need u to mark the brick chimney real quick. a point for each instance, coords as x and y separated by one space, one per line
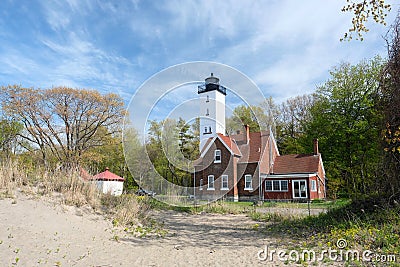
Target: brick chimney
247 133
316 149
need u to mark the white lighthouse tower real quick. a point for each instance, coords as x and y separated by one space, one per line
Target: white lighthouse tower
212 109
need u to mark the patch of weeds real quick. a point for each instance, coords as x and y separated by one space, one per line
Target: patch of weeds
255 226
267 217
16 260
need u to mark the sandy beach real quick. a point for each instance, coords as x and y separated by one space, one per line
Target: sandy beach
35 232
39 232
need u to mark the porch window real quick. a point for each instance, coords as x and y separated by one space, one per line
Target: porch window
313 185
284 185
224 182
217 156
276 185
248 182
268 185
210 185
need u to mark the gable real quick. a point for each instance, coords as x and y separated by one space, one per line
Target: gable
227 142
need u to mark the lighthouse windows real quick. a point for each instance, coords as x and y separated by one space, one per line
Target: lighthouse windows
207 130
208 113
208 99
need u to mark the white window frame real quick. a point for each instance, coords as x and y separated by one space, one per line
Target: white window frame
276 189
217 151
210 181
287 186
305 188
223 177
245 182
201 184
313 186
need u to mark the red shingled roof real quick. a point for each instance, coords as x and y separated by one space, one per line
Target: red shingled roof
107 176
252 151
230 143
296 163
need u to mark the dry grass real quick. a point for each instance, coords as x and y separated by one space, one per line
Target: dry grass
70 189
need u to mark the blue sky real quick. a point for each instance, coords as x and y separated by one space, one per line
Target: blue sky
286 47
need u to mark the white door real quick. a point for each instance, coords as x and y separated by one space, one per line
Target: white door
299 188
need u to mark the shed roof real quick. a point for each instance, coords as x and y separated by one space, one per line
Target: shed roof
106 175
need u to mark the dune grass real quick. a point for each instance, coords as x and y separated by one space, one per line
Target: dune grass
68 188
370 224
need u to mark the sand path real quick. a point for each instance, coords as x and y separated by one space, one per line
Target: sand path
35 232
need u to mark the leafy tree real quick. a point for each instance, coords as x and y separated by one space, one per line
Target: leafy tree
171 146
9 131
245 115
346 121
294 115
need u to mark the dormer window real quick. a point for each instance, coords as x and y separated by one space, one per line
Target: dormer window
217 156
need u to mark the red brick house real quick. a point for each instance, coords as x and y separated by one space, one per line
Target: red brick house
248 166
296 177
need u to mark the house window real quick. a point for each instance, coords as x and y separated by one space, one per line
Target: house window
276 185
284 185
201 184
313 185
268 185
210 185
248 182
217 156
224 182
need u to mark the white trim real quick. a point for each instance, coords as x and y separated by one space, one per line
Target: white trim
271 135
288 176
222 141
322 164
208 182
251 182
215 156
280 186
222 182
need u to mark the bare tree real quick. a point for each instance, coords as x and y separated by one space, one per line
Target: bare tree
390 103
64 122
362 11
